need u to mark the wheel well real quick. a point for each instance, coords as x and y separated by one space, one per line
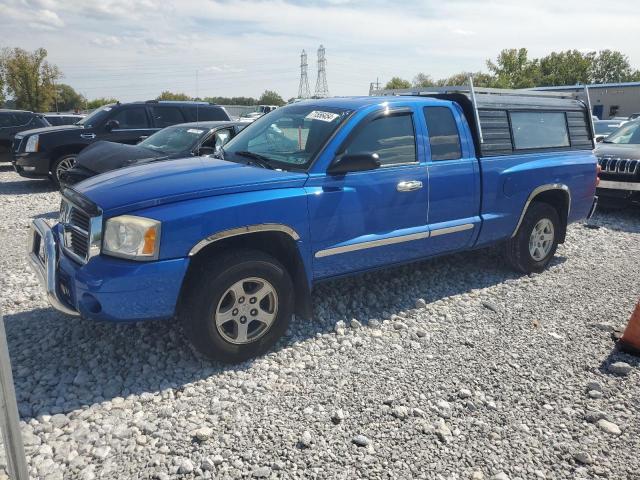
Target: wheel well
558 199
277 244
64 150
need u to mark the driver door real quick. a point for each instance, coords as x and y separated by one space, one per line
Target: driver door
362 220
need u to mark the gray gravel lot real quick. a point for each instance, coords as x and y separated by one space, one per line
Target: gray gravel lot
455 368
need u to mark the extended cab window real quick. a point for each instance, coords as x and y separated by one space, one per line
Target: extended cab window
539 130
166 116
132 118
444 137
391 137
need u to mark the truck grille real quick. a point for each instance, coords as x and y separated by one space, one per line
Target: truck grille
76 226
623 166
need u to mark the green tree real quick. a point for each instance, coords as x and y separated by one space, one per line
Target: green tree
610 66
98 102
232 100
423 80
269 97
514 69
167 95
397 82
29 78
480 79
2 97
67 99
569 67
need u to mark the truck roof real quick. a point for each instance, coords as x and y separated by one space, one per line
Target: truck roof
364 101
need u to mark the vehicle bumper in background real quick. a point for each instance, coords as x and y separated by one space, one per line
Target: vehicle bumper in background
31 165
105 289
613 185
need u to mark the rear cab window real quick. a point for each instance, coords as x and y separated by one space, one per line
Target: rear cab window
444 137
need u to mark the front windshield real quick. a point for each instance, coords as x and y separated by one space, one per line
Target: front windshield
629 133
288 137
175 139
96 117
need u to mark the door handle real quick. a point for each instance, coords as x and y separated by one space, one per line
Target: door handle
409 186
88 136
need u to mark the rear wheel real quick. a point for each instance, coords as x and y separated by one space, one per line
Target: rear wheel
536 241
237 305
62 165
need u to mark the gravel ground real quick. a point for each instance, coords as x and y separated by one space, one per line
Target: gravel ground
451 369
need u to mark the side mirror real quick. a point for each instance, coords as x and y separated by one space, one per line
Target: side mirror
112 125
599 139
206 151
354 162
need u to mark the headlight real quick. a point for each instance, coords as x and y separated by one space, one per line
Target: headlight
32 144
135 238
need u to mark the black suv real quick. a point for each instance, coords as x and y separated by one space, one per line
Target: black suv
12 122
49 151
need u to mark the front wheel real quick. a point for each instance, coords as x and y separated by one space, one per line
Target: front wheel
536 241
237 306
62 165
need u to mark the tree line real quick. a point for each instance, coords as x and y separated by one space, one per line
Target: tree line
268 97
514 69
28 81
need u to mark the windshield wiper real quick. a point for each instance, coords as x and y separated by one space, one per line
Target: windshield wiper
261 160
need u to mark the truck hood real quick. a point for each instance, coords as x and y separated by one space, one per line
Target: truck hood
157 183
628 151
44 130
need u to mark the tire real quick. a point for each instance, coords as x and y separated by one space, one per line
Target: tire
65 162
519 249
218 301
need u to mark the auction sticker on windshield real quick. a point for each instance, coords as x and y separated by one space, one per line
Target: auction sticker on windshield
322 116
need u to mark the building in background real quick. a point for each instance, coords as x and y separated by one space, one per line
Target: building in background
608 100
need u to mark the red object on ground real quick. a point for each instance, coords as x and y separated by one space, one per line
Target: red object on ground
630 341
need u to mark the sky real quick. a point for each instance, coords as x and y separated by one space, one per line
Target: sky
134 49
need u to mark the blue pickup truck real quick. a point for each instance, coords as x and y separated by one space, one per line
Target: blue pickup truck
232 246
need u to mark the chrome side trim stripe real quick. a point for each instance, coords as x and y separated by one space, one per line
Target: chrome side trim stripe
392 240
457 228
371 244
234 232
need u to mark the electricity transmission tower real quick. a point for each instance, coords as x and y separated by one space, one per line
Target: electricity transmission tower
303 89
322 89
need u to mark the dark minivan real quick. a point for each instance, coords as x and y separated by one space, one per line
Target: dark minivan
46 152
12 122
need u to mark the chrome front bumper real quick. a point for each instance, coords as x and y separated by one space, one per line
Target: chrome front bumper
43 257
